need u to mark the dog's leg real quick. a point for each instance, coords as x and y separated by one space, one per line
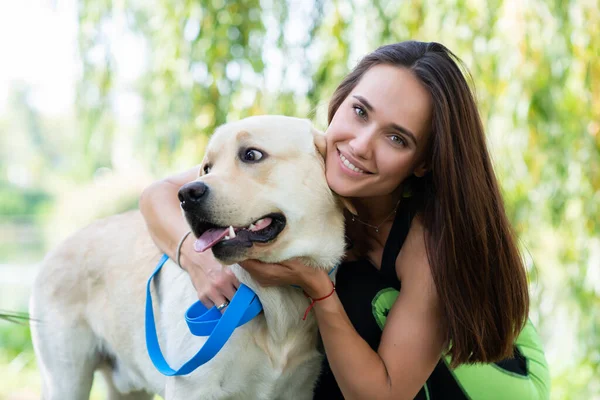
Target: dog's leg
65 348
67 371
130 396
114 394
182 388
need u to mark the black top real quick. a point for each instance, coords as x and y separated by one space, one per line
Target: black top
368 294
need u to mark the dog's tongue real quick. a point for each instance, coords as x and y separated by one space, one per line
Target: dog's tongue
209 238
262 224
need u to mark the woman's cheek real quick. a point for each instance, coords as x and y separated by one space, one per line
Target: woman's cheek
334 183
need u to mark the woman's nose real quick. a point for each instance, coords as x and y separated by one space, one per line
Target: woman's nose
361 145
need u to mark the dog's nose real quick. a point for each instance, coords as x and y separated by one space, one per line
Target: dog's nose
191 194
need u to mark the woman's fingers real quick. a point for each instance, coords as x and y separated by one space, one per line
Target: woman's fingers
234 281
216 287
206 302
254 266
217 295
209 295
290 272
225 284
268 274
222 305
214 298
229 292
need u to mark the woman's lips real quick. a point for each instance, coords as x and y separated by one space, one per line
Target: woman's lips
349 167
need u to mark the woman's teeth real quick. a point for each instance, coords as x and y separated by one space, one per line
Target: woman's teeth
350 165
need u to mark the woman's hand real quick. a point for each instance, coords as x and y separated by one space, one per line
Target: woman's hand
315 282
214 283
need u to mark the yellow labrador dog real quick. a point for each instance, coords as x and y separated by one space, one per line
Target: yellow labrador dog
262 176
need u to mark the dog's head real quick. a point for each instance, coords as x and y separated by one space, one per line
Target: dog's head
261 194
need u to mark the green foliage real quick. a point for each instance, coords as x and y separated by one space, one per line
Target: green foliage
16 201
15 338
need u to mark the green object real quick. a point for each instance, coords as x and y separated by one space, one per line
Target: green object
489 381
382 304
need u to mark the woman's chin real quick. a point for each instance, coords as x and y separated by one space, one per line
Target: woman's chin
344 188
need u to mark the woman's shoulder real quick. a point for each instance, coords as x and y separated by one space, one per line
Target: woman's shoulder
412 264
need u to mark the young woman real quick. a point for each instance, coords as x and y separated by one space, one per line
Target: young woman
431 300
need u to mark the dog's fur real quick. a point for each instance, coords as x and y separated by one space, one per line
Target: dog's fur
88 299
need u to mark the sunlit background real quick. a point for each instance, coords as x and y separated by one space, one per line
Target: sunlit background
98 98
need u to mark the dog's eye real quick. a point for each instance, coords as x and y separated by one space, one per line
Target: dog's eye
206 168
251 155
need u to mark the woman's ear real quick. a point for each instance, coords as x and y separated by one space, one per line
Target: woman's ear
320 141
421 170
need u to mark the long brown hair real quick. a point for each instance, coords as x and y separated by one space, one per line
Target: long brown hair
477 269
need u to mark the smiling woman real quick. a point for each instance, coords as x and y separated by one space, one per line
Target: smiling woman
388 114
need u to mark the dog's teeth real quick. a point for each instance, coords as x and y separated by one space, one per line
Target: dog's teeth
231 232
252 227
226 238
259 221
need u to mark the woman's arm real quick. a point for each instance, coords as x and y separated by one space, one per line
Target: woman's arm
160 208
411 343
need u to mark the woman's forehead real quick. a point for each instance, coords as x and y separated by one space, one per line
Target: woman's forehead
396 96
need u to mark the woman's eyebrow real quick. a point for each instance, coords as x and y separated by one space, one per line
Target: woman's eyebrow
397 127
363 101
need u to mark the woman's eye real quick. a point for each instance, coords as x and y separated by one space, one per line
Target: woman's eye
206 169
252 155
398 140
360 112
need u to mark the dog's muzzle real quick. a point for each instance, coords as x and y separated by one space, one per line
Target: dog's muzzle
192 195
228 239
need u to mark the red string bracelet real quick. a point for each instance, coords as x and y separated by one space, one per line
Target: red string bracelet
313 301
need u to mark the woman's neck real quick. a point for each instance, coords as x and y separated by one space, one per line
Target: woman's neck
375 210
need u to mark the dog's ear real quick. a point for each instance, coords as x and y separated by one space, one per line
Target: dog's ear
320 141
348 205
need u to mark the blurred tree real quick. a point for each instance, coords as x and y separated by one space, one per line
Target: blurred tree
205 65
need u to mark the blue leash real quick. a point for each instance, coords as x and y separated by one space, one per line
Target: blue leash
201 321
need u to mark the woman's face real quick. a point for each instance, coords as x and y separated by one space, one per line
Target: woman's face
379 134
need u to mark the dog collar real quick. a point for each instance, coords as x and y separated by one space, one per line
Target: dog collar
201 321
